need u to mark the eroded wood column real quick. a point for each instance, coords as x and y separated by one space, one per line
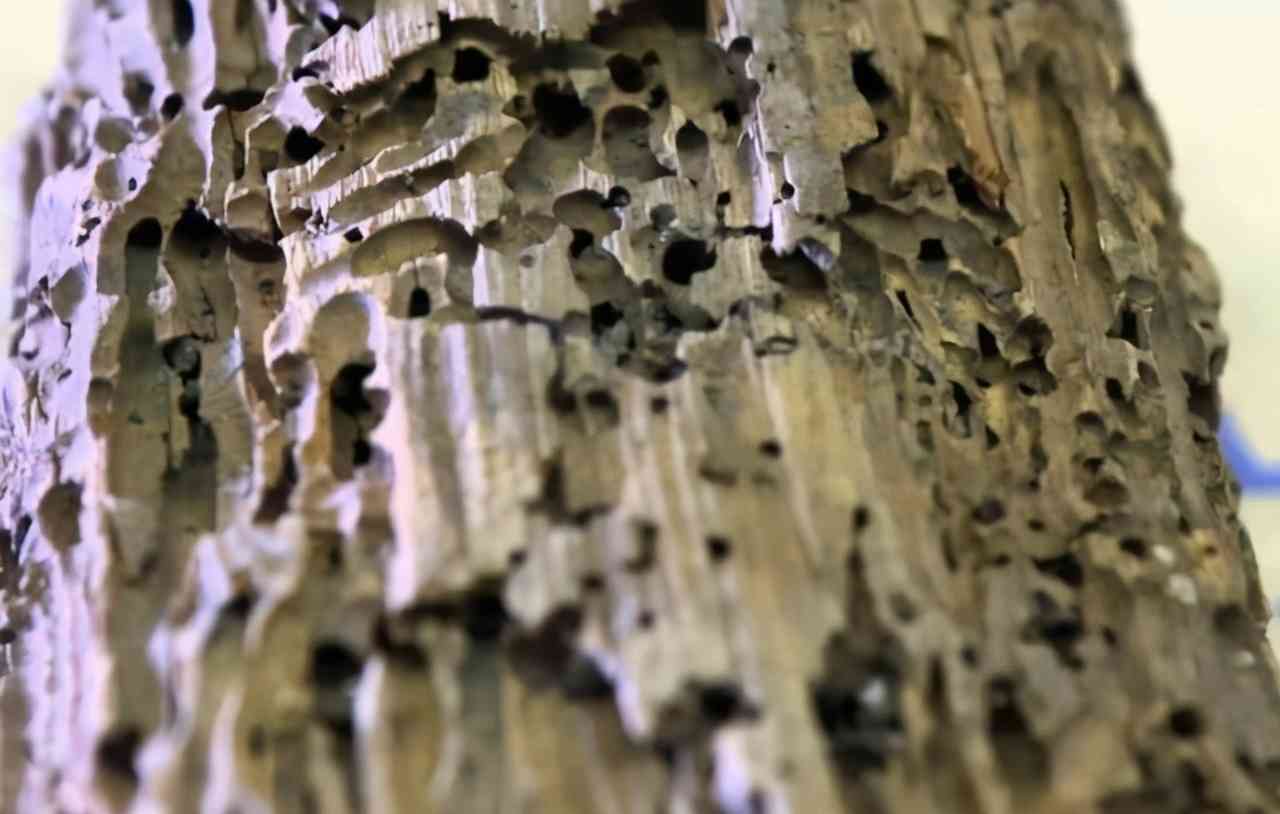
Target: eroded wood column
587 406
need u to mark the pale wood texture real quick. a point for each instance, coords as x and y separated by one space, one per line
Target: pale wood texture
586 406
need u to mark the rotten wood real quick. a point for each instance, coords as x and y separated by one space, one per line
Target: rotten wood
586 406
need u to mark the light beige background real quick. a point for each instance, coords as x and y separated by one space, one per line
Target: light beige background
1210 67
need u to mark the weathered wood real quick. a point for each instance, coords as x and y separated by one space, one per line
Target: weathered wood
588 406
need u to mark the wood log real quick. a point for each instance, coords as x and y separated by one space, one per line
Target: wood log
749 406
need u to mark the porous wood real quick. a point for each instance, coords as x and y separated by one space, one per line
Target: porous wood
587 406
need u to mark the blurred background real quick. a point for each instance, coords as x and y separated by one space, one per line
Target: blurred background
1209 68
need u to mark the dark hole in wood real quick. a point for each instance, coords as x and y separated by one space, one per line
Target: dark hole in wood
1068 217
419 302
719 548
1115 390
604 316
138 91
685 258
683 15
559 111
584 680
563 401
989 511
1065 567
1034 377
239 100
333 664
719 702
146 234
868 79
626 73
1185 722
423 88
347 391
669 371
182 355
691 144
905 302
987 342
361 452
194 227
117 751
1005 715
171 106
582 240
729 111
1129 327
966 190
860 729
239 606
301 146
470 65
601 399
184 22
1060 628
860 204
335 24
646 551
932 251
484 615
1134 547
1203 400
618 196
962 399
992 439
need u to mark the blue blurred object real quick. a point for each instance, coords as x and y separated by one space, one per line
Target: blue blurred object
1255 474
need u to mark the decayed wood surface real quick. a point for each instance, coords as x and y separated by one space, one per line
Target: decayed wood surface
586 406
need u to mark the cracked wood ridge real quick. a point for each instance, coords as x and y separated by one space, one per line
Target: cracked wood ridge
599 406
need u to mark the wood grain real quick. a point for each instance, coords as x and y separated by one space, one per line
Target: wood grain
579 405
